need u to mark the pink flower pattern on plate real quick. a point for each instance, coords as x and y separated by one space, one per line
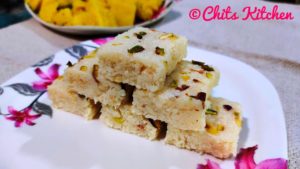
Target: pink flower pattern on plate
209 165
46 79
245 160
19 117
102 41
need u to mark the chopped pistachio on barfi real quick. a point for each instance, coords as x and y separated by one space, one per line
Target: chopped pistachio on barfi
83 78
221 134
69 101
182 100
141 57
123 119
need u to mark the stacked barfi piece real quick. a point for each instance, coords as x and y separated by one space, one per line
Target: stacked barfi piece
143 86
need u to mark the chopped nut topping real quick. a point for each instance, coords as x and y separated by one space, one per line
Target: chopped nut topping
161 127
174 84
196 80
208 68
182 88
170 36
197 63
227 107
95 73
200 96
140 35
209 75
211 112
237 118
143 68
89 56
69 64
198 71
203 65
81 96
141 126
83 68
136 49
166 64
118 120
160 51
185 77
117 44
214 129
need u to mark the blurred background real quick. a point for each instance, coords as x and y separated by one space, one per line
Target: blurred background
13 11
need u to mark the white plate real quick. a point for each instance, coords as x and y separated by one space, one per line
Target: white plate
91 30
66 141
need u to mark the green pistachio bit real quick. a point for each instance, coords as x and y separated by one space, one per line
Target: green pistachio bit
160 51
143 33
207 68
83 68
197 63
209 75
174 84
203 65
119 120
140 35
166 64
136 49
211 112
170 36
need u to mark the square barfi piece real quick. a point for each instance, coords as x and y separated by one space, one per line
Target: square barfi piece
123 119
69 101
221 135
182 100
83 78
141 57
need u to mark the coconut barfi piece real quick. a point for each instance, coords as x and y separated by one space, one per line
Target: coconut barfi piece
141 57
83 78
123 119
69 101
182 101
221 135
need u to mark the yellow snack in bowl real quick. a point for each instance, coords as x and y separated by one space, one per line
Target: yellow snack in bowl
108 18
123 12
64 3
78 6
101 15
83 18
146 9
95 5
48 10
34 4
62 17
